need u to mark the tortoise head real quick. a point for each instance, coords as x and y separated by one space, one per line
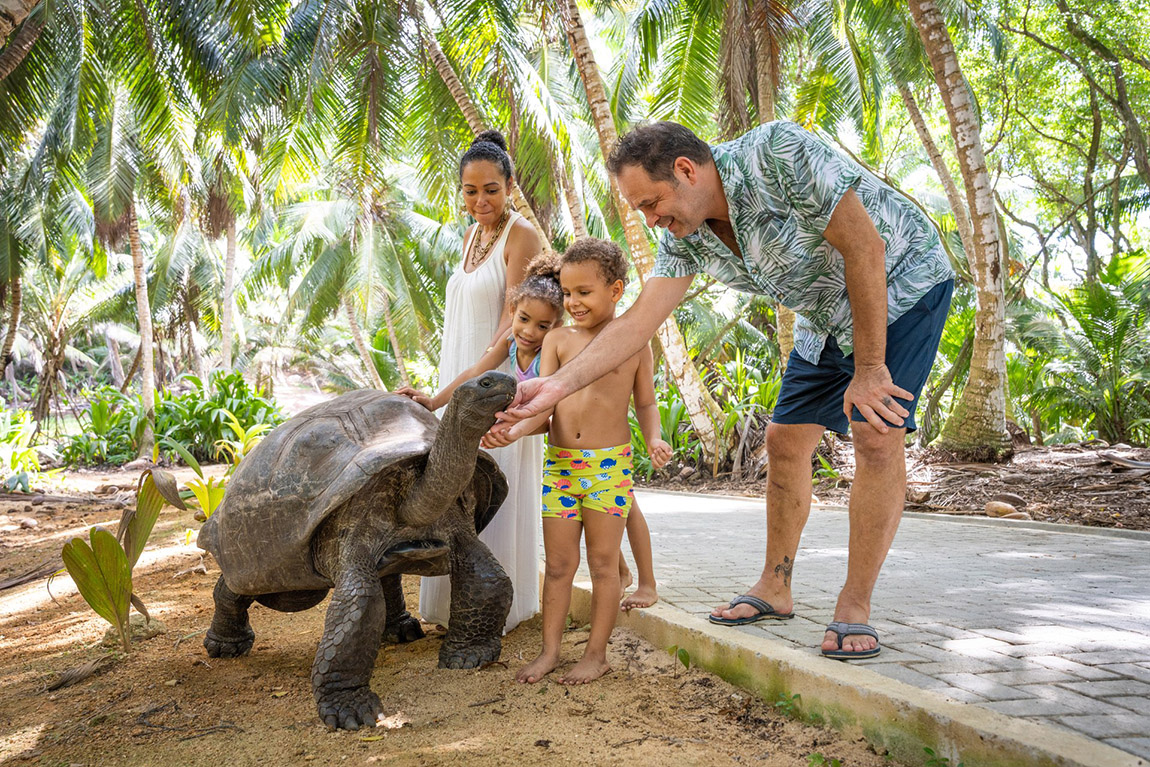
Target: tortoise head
474 404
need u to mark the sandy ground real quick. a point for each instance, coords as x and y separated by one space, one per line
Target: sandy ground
168 704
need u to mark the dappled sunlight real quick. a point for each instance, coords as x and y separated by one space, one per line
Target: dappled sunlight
22 742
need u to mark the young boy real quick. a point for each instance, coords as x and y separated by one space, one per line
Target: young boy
587 469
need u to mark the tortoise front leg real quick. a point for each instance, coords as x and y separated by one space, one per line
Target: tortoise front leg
341 674
230 634
401 627
480 600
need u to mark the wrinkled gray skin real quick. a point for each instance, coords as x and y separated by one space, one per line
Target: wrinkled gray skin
415 515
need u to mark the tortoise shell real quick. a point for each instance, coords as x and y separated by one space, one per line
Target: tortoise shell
305 468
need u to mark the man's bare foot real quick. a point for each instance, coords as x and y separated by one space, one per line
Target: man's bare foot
543 665
586 670
644 596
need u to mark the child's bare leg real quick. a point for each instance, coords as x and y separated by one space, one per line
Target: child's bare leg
639 536
561 550
603 533
625 578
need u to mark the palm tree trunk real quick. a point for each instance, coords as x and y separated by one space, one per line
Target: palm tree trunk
114 364
361 346
13 322
12 12
765 85
978 421
574 204
704 412
957 206
144 321
16 50
396 350
477 125
228 299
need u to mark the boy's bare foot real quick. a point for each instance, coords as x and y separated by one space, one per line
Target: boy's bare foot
644 596
543 665
586 670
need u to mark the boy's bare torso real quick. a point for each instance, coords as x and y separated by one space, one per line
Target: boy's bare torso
595 416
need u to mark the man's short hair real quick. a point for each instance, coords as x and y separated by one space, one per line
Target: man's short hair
655 147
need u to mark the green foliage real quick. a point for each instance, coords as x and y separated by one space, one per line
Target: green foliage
209 494
225 417
102 570
818 760
789 704
825 470
203 416
1094 340
17 455
934 760
680 654
103 576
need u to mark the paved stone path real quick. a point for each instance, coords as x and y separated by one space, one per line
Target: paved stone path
1026 620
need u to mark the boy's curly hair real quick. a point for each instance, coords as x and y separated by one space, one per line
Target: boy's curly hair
541 282
609 257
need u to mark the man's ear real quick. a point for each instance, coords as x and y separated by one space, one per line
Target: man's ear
686 167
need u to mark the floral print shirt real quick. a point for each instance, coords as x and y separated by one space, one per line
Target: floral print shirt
782 184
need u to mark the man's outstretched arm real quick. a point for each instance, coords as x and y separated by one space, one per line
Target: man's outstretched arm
611 348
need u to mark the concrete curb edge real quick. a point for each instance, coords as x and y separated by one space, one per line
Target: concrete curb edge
890 714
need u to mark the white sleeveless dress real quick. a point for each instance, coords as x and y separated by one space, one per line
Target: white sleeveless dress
474 303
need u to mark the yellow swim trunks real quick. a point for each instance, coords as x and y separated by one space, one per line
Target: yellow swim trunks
598 479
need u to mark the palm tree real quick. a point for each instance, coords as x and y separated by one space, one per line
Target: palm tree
704 411
978 421
12 13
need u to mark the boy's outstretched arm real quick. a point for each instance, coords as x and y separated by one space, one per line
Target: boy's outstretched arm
647 409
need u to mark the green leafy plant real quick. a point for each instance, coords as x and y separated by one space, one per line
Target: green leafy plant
234 450
788 704
825 471
934 760
818 760
208 491
18 457
680 654
102 566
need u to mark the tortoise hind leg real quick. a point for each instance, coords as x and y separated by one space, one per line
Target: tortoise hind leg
230 635
401 626
352 631
480 600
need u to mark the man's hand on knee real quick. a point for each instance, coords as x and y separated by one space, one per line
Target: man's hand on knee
872 391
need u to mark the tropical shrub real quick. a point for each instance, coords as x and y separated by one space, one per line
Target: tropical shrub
17 455
203 419
102 566
1095 340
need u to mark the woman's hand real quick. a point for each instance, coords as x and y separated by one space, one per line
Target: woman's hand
416 395
659 452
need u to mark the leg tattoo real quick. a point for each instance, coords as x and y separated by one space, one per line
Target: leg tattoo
784 569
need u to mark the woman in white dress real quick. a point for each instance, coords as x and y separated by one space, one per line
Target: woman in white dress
496 252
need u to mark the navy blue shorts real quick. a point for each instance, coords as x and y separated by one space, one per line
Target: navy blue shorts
813 394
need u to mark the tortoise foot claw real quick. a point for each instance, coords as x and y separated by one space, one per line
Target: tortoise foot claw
228 647
403 629
471 655
349 709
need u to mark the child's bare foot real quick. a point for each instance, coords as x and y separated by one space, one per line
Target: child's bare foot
586 670
644 596
543 665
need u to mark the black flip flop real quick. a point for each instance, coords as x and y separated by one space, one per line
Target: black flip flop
765 612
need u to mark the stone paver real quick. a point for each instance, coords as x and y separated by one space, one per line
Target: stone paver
1032 622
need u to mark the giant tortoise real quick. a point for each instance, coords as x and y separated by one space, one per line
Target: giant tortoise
348 495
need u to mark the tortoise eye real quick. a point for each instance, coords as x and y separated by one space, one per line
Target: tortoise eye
486 382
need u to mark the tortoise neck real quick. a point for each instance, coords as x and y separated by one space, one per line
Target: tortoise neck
450 467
